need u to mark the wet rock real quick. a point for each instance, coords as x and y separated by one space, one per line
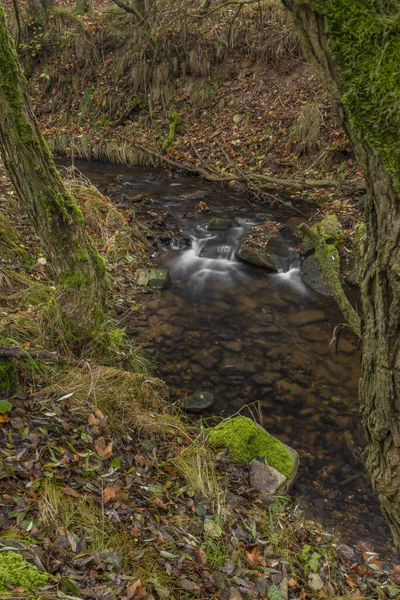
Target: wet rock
330 228
266 378
156 279
288 387
265 479
237 366
200 195
198 402
306 317
216 224
259 245
313 277
232 346
206 360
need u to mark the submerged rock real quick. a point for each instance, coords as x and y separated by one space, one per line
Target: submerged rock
200 195
246 441
258 245
216 224
237 366
313 277
198 402
156 279
265 479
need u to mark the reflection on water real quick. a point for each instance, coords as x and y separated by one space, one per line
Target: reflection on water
249 335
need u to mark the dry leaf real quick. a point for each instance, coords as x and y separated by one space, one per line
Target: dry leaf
70 492
136 590
102 450
109 493
201 556
255 557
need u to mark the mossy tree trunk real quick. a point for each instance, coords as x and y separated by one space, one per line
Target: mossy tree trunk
78 268
354 45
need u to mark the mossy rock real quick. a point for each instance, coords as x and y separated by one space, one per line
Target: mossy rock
330 229
15 572
156 279
313 276
246 441
218 224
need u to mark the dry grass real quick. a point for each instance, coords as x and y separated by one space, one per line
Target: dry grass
307 129
127 399
197 466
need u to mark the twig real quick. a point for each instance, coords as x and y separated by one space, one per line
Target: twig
8 352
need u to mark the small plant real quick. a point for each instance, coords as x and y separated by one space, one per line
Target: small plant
311 559
216 553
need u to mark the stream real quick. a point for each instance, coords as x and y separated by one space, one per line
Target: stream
252 336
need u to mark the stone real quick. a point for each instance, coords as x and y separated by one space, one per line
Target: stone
206 360
330 228
258 245
198 402
200 195
313 277
305 317
216 223
267 378
246 441
265 479
232 346
233 365
156 279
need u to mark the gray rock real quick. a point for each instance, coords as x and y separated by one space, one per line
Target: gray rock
237 366
156 279
312 275
198 402
264 478
216 223
267 378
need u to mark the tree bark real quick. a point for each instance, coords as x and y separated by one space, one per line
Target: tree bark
379 269
56 218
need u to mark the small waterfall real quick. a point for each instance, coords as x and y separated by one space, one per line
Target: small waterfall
211 258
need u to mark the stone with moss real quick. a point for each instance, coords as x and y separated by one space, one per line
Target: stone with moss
15 572
330 229
246 441
216 223
156 279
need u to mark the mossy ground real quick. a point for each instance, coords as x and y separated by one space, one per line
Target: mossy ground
15 572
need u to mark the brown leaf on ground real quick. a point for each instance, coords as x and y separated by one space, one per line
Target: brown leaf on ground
102 450
136 590
98 421
70 492
255 557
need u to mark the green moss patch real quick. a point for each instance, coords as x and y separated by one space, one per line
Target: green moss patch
364 36
330 229
246 441
16 572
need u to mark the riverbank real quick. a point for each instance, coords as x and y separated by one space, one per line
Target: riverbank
116 493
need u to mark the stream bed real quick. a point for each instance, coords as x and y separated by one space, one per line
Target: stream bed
252 336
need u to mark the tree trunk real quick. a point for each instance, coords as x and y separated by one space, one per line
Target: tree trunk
57 220
350 44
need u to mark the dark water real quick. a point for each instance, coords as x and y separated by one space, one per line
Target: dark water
251 336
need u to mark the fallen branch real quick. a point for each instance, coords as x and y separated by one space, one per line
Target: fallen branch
8 352
245 177
329 268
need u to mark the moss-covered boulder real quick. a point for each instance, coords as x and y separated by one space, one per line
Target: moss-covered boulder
156 279
259 244
246 441
16 572
218 224
330 228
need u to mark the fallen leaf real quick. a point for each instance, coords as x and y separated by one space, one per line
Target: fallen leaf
255 557
70 492
136 590
102 450
109 493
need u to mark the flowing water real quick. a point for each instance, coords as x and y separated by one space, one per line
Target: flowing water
252 336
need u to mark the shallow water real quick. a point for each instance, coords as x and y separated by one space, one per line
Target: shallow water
251 336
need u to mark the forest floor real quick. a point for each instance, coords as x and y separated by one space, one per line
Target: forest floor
101 485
